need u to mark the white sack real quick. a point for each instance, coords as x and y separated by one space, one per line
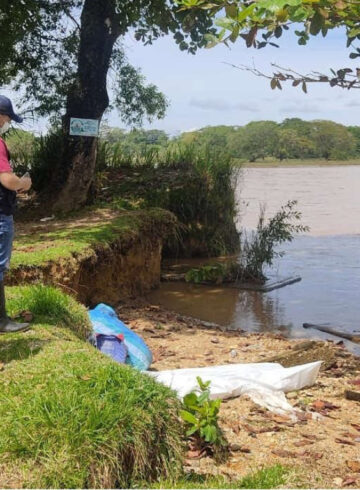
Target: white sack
265 383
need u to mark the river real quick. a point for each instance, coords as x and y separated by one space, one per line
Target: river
327 257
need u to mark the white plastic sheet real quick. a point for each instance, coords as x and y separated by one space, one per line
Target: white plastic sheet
265 383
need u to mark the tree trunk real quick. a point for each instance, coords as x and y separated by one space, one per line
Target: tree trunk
87 99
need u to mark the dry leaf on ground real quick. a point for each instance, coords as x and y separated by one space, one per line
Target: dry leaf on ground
344 441
354 465
283 453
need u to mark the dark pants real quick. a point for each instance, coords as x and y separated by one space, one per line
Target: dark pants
6 240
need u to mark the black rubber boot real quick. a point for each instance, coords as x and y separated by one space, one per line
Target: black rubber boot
6 324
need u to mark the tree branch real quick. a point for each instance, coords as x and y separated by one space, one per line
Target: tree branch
346 78
71 17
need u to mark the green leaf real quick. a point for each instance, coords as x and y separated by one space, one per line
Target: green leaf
235 34
190 399
243 14
203 397
188 417
210 433
211 40
203 385
316 24
209 6
225 22
231 10
300 14
191 431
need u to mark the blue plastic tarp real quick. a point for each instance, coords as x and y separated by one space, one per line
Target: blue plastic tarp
105 321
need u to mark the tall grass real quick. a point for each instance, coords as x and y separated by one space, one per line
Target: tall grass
85 422
72 417
111 156
44 157
50 304
197 185
203 199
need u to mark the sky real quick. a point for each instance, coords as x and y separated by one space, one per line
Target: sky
205 91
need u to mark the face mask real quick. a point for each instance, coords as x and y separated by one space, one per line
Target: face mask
5 127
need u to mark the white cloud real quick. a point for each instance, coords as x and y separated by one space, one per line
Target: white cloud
353 103
300 108
222 105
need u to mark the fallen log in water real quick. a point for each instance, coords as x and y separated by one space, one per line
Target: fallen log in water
268 285
333 331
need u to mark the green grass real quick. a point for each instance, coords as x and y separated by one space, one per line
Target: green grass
49 304
311 162
39 248
271 477
70 416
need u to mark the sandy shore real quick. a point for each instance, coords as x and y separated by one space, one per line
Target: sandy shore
322 453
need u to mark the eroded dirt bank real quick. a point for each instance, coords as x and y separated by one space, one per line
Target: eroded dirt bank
323 453
125 263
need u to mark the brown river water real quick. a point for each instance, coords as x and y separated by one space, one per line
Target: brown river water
327 257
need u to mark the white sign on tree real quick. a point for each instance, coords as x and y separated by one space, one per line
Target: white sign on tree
84 127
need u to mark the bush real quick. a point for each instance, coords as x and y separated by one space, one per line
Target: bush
47 153
258 250
216 273
21 146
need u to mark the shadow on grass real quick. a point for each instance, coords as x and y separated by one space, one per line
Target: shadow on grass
19 348
270 477
82 234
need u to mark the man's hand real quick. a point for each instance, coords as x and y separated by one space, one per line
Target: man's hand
25 183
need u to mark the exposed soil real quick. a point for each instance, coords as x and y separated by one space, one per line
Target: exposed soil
323 452
129 266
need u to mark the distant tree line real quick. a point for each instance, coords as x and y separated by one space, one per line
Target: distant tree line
291 139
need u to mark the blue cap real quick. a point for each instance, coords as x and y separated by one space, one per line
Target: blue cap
6 109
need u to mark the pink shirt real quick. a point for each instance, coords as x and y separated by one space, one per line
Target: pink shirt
4 159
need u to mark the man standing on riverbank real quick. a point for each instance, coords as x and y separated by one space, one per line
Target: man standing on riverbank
10 184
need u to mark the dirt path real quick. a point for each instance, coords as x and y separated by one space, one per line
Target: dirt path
324 453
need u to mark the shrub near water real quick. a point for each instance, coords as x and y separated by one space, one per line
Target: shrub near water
73 418
197 185
203 199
